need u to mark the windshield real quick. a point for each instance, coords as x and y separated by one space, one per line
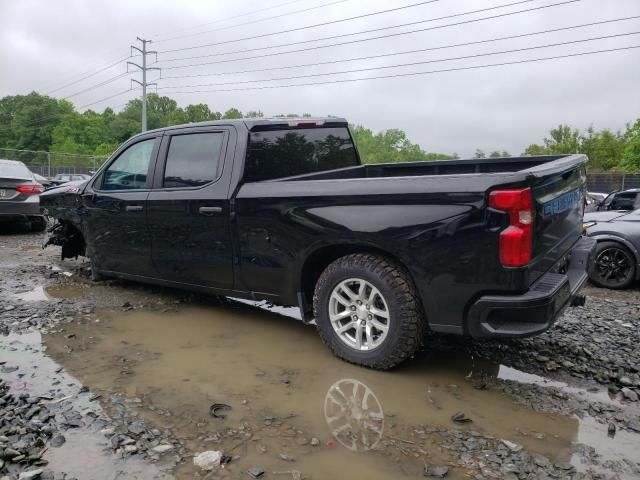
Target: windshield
14 170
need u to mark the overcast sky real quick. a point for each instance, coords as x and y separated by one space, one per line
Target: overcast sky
45 44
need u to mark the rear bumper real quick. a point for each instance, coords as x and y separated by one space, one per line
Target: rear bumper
15 210
536 310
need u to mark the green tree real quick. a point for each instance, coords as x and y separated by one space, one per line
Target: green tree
232 113
28 121
604 148
563 139
631 153
390 146
479 154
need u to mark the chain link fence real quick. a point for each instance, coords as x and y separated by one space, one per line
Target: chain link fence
606 182
49 164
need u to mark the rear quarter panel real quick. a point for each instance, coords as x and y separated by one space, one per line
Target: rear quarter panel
436 227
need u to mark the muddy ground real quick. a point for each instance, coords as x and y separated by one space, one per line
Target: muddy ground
116 380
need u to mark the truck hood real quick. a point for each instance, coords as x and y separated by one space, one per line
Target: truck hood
68 187
604 216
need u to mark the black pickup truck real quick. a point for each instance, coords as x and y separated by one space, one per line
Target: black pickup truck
283 210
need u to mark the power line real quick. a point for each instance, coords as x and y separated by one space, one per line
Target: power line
411 64
53 84
406 52
307 27
412 74
404 64
97 85
200 25
92 74
349 42
286 14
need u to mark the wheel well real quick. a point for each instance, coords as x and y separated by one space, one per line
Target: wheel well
70 238
321 258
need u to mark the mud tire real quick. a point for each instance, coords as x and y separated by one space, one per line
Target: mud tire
408 325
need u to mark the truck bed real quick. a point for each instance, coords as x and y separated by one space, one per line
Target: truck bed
448 167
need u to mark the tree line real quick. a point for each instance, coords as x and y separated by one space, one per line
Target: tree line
38 122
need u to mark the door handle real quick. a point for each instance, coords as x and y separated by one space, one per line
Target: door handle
209 211
134 208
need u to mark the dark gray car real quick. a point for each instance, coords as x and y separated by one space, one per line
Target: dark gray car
617 259
19 195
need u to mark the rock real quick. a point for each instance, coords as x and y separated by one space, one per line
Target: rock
514 447
436 471
624 380
541 461
136 428
57 440
209 460
315 442
460 418
286 458
629 394
30 474
162 448
10 453
255 472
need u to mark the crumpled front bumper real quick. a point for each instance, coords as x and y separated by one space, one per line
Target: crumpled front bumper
536 310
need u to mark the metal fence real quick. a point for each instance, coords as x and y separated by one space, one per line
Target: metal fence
49 164
607 182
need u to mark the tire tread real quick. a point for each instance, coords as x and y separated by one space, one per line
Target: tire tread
411 322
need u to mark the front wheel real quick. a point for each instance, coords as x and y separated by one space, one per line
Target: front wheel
367 311
615 266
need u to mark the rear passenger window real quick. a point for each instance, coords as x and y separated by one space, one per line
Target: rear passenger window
285 153
193 159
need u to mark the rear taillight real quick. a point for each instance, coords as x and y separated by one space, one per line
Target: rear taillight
516 241
30 188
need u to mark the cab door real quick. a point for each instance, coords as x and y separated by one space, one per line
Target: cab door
188 207
116 217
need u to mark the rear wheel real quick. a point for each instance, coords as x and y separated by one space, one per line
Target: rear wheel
615 266
367 311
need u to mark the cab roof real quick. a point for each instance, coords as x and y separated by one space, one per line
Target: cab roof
264 123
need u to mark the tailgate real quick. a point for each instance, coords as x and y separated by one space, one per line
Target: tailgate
559 202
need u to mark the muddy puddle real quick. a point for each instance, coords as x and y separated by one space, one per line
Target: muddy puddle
85 453
43 294
287 390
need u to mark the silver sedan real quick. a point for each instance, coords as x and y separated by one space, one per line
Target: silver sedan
19 195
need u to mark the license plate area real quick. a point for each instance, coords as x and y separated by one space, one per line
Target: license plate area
7 193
